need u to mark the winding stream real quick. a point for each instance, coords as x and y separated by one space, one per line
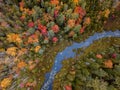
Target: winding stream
68 53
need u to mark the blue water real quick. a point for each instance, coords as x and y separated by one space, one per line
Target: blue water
68 53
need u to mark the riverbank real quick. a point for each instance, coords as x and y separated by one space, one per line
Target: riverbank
74 70
35 63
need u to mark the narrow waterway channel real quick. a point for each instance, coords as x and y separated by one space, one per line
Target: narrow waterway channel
68 53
